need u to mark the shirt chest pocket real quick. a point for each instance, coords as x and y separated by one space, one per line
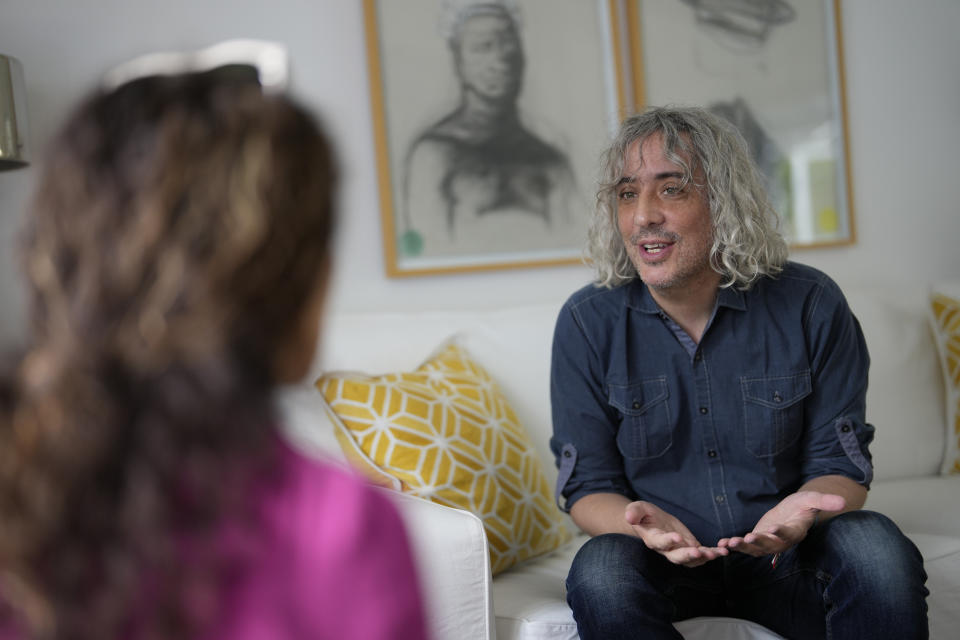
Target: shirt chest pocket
646 430
773 412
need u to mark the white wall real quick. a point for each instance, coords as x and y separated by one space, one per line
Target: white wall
903 94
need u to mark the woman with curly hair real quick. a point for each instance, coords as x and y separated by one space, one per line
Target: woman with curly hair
177 255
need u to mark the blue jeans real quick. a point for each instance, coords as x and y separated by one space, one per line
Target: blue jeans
853 576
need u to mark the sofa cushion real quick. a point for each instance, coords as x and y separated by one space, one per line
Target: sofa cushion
927 505
905 393
446 433
945 308
512 344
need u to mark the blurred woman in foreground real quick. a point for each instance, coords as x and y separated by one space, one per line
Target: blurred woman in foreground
177 255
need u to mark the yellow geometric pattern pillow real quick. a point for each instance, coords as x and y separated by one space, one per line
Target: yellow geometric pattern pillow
946 325
446 433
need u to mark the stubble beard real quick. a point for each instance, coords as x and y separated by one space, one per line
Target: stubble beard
683 272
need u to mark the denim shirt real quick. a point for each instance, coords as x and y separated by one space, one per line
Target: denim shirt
717 433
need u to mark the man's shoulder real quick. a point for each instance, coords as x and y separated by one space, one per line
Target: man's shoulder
797 278
802 288
805 273
592 311
594 299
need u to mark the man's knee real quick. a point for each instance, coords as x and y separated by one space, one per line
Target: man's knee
871 546
611 589
870 535
875 576
601 555
606 564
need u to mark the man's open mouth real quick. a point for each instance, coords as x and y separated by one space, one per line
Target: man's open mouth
656 247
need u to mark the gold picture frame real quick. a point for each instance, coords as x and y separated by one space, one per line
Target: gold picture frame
469 180
776 70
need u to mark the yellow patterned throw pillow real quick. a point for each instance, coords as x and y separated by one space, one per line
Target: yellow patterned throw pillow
446 433
946 326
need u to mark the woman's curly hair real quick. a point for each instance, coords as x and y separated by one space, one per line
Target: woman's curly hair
179 229
746 241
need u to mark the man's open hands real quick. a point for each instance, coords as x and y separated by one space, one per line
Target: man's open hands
779 529
785 525
668 536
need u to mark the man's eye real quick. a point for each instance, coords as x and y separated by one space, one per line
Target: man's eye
627 195
671 190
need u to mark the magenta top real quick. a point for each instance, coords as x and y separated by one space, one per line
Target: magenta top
336 564
329 560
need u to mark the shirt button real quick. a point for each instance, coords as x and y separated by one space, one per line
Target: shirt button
697 357
567 454
777 397
703 410
712 453
720 499
636 405
845 428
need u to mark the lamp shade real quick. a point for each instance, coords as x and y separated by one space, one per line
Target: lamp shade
13 115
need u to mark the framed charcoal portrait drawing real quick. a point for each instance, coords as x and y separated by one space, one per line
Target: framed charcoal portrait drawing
775 69
489 117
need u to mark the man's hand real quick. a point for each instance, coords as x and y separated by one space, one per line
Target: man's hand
786 524
668 536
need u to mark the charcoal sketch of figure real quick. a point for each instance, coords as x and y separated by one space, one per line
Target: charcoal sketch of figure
741 23
744 27
479 179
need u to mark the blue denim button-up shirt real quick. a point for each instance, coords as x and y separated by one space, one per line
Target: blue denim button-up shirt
716 433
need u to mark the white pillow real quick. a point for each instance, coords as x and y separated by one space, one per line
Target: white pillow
905 395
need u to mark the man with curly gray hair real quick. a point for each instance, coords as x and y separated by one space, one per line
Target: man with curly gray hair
709 411
746 243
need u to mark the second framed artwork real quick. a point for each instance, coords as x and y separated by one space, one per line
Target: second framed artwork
489 118
774 68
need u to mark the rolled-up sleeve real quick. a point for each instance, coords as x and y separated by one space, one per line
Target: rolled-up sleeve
837 435
584 425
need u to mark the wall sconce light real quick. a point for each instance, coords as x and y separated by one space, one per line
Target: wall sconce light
13 115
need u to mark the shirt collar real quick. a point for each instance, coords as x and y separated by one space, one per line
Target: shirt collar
732 298
639 298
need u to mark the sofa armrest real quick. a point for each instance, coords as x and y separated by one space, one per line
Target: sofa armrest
450 550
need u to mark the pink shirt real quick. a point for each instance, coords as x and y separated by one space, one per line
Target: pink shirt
337 564
330 560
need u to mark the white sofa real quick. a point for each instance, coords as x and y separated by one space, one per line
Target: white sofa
905 402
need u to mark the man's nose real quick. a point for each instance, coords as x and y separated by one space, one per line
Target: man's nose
648 211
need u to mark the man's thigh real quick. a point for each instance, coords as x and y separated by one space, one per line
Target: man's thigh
854 576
